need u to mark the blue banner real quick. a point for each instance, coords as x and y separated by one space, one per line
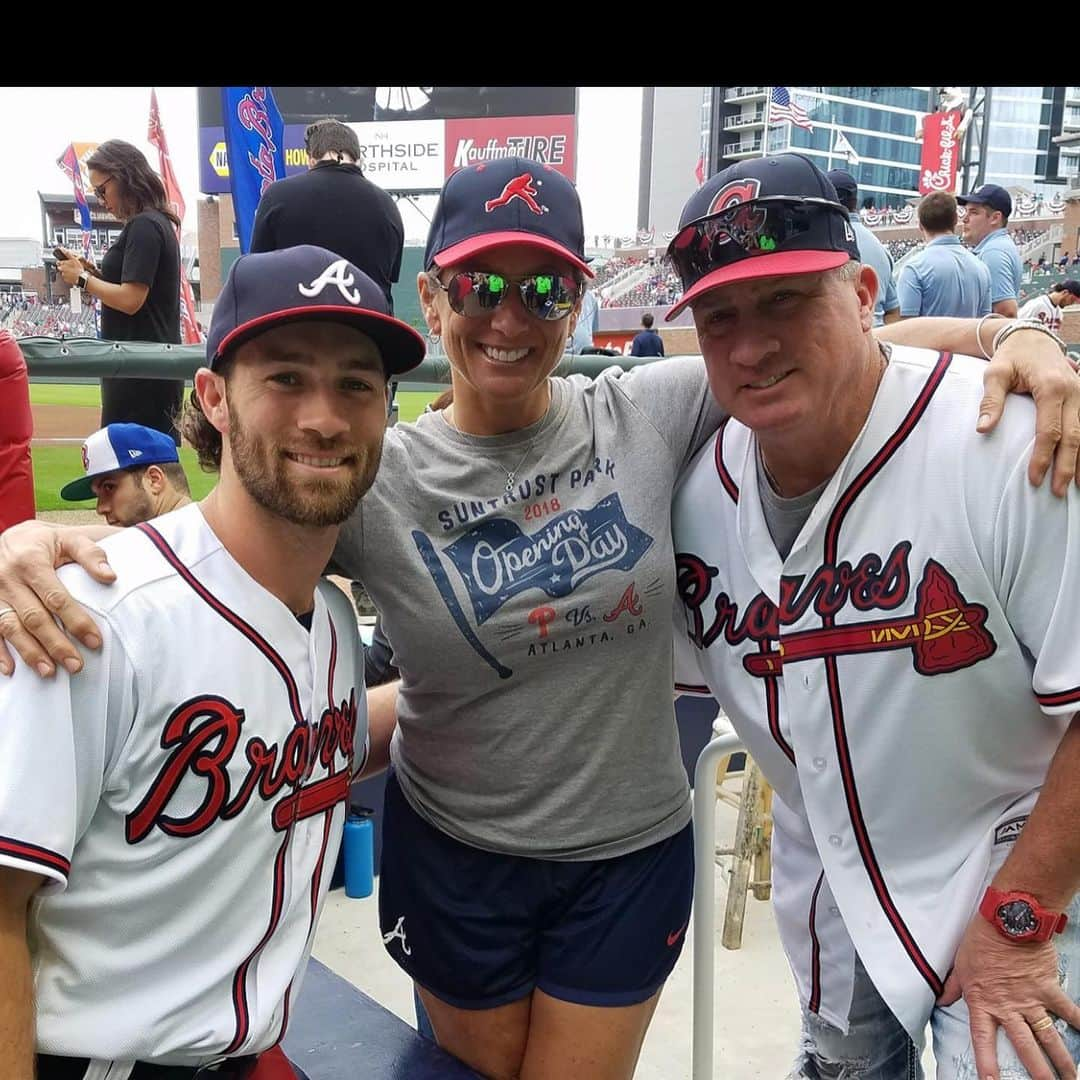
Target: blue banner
255 140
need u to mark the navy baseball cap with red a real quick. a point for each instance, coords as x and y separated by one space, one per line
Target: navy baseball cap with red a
509 201
297 284
765 217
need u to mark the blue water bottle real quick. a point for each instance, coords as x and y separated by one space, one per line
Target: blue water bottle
359 852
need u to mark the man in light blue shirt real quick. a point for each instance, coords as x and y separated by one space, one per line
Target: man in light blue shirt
986 230
871 250
944 278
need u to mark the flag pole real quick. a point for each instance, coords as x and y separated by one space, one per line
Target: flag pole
765 137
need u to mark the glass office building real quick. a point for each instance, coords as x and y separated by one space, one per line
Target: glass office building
881 124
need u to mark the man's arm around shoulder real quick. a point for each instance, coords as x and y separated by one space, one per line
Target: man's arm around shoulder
17 888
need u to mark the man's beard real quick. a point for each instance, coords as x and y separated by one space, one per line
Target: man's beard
267 478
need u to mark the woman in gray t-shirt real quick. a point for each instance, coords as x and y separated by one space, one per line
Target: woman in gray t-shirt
537 865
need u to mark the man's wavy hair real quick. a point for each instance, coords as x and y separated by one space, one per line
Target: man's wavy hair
140 187
199 432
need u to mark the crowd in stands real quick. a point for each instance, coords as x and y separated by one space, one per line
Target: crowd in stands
897 249
1022 237
661 287
611 269
28 316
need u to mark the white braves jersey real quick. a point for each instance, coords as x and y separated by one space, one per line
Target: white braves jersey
185 798
903 678
1043 310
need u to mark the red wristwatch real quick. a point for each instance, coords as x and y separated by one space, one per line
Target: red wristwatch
1018 916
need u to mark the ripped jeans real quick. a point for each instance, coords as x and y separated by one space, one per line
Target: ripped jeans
878 1048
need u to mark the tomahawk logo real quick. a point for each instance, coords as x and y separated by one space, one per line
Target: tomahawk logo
522 187
944 633
337 274
398 932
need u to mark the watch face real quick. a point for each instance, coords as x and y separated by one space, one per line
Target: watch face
1017 918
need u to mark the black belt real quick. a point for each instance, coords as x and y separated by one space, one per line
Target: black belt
50 1067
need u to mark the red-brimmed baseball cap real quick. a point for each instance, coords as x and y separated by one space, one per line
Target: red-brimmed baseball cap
302 283
512 200
765 217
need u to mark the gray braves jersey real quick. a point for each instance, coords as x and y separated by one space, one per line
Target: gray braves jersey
902 677
184 796
533 629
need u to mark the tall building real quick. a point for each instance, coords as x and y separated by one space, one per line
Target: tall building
881 124
1020 151
674 120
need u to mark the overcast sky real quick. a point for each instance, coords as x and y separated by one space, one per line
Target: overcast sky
39 122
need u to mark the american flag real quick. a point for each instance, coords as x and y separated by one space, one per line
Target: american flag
782 108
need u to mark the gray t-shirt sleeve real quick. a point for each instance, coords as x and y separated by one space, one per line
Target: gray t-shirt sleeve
673 396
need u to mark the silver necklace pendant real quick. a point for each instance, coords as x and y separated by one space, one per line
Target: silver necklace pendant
509 482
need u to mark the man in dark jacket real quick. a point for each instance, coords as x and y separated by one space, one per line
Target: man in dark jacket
648 342
334 206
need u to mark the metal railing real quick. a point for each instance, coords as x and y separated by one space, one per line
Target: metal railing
704 975
92 358
734 92
744 120
731 149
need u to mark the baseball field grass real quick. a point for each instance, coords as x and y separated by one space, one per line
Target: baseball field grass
56 464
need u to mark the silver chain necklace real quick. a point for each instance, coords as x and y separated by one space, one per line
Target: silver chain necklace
511 474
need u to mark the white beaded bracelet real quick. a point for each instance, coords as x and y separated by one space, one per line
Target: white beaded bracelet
978 331
1028 324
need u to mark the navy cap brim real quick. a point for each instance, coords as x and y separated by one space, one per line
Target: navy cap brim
780 264
78 490
401 347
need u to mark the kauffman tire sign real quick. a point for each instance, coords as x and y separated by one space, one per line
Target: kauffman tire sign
547 139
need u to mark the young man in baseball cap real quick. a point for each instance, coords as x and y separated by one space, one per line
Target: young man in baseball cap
1047 309
883 604
985 228
175 812
134 472
871 249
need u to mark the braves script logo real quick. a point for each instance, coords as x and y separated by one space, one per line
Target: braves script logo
254 116
337 274
521 187
85 458
202 736
945 632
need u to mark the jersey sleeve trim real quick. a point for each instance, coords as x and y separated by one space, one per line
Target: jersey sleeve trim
691 688
52 862
1060 698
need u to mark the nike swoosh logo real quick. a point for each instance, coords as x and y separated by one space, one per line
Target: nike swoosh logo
672 938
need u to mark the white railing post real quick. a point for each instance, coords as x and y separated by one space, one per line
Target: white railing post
705 899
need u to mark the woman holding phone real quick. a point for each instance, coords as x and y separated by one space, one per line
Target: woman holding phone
138 282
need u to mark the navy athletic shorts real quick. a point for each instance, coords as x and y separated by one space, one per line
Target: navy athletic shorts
480 929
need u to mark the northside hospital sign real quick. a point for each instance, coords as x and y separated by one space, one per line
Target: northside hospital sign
417 155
